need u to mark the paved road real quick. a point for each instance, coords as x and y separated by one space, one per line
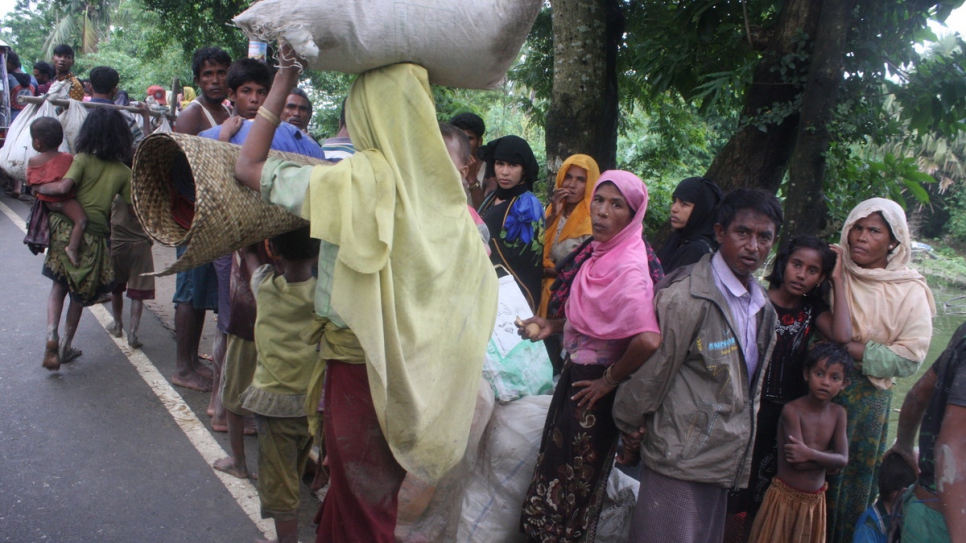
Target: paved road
96 453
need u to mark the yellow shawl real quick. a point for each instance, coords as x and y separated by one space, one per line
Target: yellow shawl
577 225
892 306
412 280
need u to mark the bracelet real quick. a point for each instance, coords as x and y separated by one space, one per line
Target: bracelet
474 185
607 379
269 116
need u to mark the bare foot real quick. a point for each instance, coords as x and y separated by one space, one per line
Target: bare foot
72 255
219 425
193 381
115 329
205 371
51 356
133 342
227 465
68 354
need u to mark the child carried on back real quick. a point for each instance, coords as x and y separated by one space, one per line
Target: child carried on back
50 166
284 298
811 440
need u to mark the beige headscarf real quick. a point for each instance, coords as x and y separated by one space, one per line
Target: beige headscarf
892 306
412 279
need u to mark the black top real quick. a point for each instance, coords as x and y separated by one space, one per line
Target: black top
785 377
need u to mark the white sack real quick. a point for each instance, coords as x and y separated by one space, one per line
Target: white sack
614 525
461 44
72 119
18 147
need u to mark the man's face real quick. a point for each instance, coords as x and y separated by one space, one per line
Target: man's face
63 63
41 77
212 80
746 242
474 141
296 111
248 97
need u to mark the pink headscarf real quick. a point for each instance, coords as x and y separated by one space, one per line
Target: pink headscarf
612 296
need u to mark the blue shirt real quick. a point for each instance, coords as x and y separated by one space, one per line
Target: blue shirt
287 138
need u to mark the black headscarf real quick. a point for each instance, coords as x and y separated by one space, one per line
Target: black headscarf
515 150
699 230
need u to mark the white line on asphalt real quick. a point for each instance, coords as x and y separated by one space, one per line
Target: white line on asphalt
241 489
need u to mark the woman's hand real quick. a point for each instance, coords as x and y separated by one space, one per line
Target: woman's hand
558 200
595 390
550 273
836 276
535 328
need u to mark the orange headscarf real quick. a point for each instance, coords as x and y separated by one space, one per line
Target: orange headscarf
577 225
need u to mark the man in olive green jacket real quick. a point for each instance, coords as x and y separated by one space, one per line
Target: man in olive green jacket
696 398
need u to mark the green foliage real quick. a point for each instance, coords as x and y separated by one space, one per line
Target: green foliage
25 28
956 201
82 24
202 23
933 99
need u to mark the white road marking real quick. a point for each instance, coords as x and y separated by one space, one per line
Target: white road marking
242 490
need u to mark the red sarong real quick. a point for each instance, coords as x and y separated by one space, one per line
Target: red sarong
364 477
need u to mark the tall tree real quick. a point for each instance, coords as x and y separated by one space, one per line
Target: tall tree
81 22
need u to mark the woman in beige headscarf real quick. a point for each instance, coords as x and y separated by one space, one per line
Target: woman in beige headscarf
892 310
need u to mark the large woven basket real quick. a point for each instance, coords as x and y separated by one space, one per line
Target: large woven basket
227 215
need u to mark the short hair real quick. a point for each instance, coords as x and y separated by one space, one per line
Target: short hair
106 135
296 245
777 276
469 121
13 59
895 475
64 50
212 55
756 200
45 68
104 79
48 130
834 353
246 70
452 133
299 92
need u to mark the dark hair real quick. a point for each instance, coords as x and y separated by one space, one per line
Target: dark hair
469 121
777 276
296 245
834 353
106 135
299 92
13 59
246 70
104 79
212 55
895 475
755 200
45 68
48 130
453 133
64 50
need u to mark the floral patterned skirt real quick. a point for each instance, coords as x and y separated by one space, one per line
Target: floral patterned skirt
93 277
569 483
854 489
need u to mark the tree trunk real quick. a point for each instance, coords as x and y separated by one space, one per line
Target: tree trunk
805 206
757 154
582 117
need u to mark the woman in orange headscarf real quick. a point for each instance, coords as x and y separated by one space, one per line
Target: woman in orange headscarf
568 217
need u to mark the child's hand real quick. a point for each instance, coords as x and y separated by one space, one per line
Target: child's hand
837 270
797 452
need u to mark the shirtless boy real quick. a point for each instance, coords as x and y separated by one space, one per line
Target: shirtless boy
811 440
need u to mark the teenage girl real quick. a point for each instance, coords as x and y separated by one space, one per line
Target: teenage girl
49 166
803 272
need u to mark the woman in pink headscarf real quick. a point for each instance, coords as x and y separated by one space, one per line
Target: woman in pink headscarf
610 329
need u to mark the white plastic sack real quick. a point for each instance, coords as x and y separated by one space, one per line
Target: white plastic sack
461 44
515 367
72 119
18 147
614 525
498 484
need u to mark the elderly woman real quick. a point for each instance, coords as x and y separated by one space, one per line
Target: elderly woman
514 215
892 310
405 301
568 217
610 330
692 220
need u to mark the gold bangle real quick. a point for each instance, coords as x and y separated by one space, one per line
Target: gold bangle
607 379
269 116
474 185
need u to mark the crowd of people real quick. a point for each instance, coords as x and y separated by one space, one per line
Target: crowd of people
756 414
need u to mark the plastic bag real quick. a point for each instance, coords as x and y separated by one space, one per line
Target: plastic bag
18 147
498 484
614 525
461 44
73 119
515 367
